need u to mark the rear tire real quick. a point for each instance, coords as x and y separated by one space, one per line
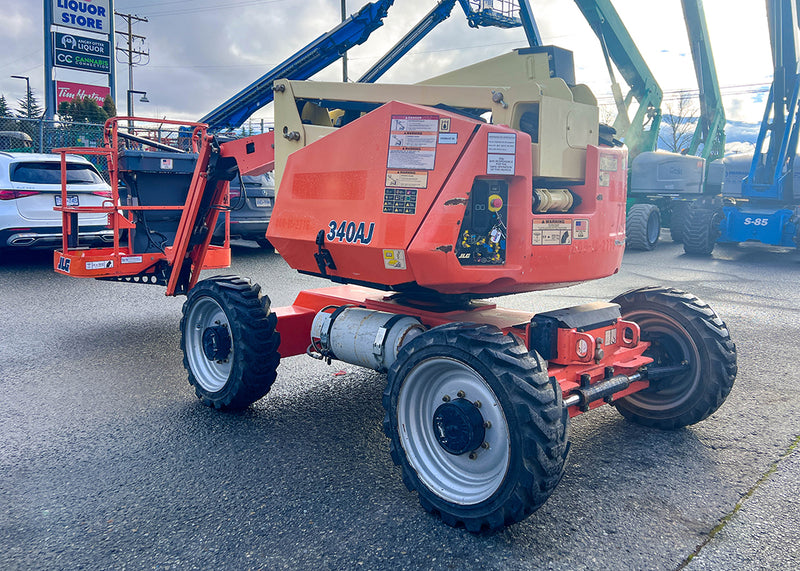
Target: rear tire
524 445
679 210
701 230
642 227
681 329
229 342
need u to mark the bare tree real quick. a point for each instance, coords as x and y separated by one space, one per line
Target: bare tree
679 120
608 112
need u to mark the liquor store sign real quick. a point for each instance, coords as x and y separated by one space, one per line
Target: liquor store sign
78 52
89 15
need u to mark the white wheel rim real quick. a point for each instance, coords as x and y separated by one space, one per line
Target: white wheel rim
211 375
457 479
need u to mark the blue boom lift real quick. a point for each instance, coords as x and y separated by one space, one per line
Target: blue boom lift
765 207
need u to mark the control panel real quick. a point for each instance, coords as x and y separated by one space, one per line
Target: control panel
482 237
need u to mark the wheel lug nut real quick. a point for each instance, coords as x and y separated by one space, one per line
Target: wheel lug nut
446 398
478 404
473 456
485 446
487 424
461 394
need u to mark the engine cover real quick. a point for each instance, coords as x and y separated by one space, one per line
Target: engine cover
410 196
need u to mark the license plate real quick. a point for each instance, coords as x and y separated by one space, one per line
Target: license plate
72 200
263 202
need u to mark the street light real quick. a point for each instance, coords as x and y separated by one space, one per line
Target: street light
143 99
27 92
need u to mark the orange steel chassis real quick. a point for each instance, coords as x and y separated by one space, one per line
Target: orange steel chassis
570 370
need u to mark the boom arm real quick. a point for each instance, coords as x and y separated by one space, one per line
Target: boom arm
432 19
354 31
316 56
440 13
618 46
770 168
710 130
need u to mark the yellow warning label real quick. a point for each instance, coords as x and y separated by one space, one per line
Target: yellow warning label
394 259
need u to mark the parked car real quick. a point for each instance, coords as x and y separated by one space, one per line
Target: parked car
16 141
251 209
30 186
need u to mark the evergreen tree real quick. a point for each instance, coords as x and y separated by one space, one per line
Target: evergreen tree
109 107
82 110
6 124
28 106
4 110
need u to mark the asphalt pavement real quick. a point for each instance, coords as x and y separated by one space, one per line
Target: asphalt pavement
108 460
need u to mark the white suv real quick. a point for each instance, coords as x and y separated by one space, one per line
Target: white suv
30 186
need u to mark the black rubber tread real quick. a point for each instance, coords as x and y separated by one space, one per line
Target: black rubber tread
713 366
252 327
679 210
531 403
701 230
637 221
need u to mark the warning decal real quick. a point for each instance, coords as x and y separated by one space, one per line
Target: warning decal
608 163
501 150
551 232
394 259
412 142
407 179
400 201
100 265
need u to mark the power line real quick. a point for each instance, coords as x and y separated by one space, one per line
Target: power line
134 56
725 91
200 9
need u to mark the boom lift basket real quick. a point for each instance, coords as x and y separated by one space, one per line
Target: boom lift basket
163 209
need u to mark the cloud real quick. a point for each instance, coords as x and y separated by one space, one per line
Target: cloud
203 51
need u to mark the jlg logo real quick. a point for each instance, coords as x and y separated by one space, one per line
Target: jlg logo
350 232
63 264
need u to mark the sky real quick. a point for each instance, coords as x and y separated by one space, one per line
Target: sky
204 51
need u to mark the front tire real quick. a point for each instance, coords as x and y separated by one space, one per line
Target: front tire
476 425
682 330
701 230
642 227
229 342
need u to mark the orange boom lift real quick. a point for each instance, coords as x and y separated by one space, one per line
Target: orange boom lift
419 201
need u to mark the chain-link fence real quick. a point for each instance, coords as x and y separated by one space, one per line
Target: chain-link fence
42 136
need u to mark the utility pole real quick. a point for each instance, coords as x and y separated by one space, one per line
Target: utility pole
133 56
